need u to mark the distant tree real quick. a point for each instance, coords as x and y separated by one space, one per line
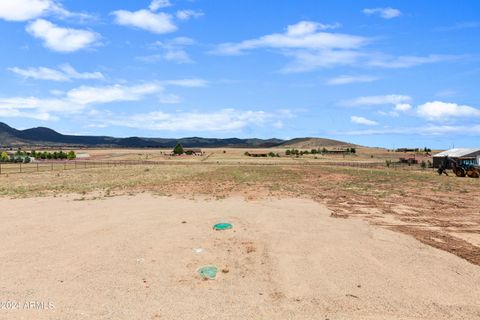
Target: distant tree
71 155
26 160
288 152
313 151
178 149
353 150
4 157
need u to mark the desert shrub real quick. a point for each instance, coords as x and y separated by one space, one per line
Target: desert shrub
423 164
4 157
388 163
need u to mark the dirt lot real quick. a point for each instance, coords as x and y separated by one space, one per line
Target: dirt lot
410 203
136 257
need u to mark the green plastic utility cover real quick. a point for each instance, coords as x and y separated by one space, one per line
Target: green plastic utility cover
208 272
222 226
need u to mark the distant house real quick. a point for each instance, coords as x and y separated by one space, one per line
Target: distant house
406 150
455 154
257 153
82 155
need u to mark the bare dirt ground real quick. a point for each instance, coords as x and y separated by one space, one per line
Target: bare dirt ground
136 257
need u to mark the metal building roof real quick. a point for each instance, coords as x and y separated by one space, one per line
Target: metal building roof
458 152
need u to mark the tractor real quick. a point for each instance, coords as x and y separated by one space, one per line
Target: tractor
462 167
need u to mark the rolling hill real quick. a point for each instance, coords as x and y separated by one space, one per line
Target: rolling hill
315 143
41 136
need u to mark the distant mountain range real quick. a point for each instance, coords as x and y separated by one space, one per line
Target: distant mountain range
46 137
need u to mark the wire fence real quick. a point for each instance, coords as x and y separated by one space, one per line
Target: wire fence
44 166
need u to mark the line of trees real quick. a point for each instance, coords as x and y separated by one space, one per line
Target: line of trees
26 157
60 155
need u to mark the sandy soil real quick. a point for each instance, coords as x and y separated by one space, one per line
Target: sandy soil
137 258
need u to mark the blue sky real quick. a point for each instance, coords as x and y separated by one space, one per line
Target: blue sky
378 73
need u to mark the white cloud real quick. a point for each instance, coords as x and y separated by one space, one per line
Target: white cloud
173 51
190 83
24 10
158 4
394 99
61 39
312 45
430 130
74 101
444 111
144 19
347 79
304 60
385 13
308 43
188 14
305 35
363 121
403 107
177 55
390 62
215 121
86 95
64 73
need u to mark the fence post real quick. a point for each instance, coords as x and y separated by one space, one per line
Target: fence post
20 167
0 168
51 165
37 166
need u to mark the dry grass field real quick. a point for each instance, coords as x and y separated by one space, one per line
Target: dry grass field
377 215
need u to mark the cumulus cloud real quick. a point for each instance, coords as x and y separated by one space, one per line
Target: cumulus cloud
214 121
188 14
307 42
158 4
62 39
24 10
147 20
385 13
444 111
429 130
82 99
305 35
312 45
86 95
347 79
363 121
403 107
63 73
